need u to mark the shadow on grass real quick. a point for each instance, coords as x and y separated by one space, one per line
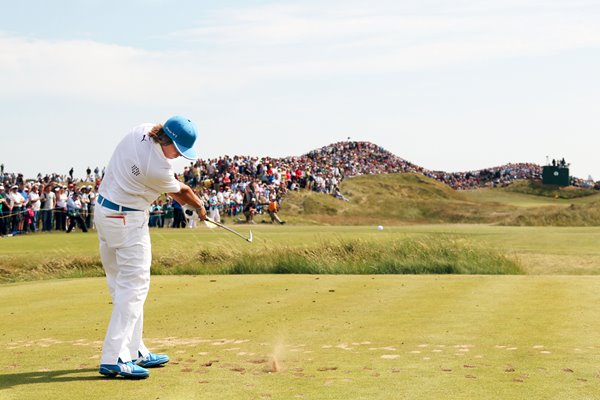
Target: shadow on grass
70 375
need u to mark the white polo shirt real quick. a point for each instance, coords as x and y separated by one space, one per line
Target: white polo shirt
138 171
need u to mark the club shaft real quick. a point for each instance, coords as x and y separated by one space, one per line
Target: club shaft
227 229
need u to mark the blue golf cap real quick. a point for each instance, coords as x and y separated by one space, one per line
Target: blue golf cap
183 133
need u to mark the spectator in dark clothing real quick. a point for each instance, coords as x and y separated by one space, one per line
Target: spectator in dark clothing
178 215
74 213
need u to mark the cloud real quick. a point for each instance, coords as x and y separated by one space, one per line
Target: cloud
232 48
297 40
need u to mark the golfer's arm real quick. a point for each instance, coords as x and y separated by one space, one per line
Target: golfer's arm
187 196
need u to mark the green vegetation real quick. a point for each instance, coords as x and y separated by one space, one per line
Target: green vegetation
333 337
537 188
394 198
191 252
416 199
426 255
334 325
440 248
574 215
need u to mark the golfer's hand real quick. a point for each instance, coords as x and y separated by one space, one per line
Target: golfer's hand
201 213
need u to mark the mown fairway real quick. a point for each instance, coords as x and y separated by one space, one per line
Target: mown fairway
531 336
334 337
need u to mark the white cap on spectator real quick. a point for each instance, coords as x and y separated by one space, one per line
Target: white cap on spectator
14 187
1 187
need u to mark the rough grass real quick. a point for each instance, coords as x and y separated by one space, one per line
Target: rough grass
573 215
461 248
412 198
426 255
537 188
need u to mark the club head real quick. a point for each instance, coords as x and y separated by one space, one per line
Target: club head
250 238
209 225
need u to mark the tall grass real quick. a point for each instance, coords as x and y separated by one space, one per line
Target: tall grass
537 188
67 266
428 255
574 215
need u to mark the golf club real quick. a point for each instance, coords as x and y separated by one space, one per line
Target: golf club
190 212
247 239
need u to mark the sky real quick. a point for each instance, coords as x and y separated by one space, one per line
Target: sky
448 85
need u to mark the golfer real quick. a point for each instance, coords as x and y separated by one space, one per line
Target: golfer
138 173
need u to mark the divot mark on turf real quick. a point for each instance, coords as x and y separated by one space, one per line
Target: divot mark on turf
323 369
258 361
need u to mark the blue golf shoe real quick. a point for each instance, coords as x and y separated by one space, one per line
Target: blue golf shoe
152 360
125 369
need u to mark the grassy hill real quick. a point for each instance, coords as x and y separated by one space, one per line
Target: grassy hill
537 188
413 198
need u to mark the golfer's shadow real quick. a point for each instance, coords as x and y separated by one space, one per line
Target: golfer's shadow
29 378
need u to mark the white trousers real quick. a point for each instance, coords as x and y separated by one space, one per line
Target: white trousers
125 252
214 214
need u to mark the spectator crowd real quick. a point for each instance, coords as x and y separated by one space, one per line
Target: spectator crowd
236 187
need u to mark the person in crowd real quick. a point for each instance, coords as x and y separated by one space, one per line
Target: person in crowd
18 202
238 202
156 214
74 208
5 209
60 210
85 201
168 213
28 217
249 205
91 204
178 215
48 208
272 209
35 201
213 207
